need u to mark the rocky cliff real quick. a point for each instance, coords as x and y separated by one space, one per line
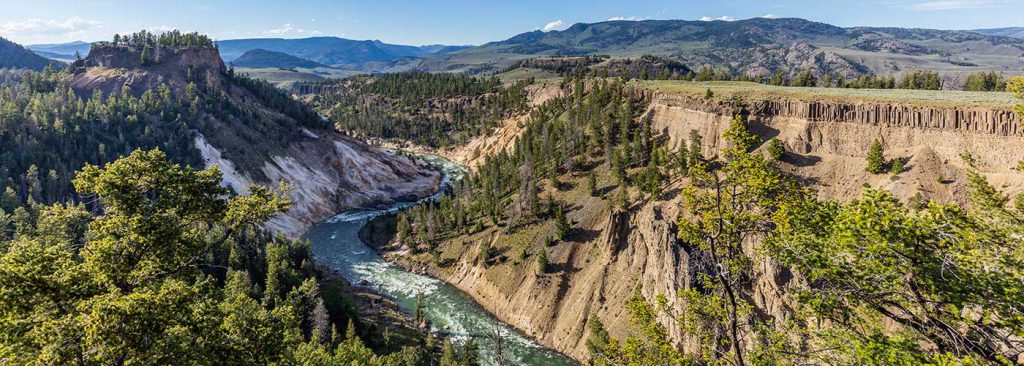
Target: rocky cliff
828 141
257 135
612 255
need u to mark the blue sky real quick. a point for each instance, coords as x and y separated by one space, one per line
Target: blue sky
456 21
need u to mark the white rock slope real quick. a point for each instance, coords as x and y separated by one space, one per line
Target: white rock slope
329 173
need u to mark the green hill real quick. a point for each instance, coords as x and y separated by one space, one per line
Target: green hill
259 58
15 56
759 47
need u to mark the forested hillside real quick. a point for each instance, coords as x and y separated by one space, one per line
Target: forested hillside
875 280
114 249
435 110
756 48
14 56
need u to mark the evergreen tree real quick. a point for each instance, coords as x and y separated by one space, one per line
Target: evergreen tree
897 167
876 158
562 225
542 260
592 183
147 55
682 159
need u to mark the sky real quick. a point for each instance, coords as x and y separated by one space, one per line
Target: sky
455 22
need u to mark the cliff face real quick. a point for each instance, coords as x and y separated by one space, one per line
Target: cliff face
110 68
256 141
829 141
595 272
329 173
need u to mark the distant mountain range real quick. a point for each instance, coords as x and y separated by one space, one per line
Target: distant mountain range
15 56
1015 32
759 47
332 51
61 51
260 58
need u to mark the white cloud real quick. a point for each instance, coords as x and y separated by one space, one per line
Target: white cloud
159 28
555 25
953 4
72 27
725 18
288 28
630 19
770 16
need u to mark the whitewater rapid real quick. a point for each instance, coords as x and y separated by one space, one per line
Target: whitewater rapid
336 245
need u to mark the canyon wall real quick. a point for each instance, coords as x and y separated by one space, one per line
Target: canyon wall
329 173
620 254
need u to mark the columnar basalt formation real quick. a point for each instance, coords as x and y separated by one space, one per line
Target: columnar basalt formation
997 121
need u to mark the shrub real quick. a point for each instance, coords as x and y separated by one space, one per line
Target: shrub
776 149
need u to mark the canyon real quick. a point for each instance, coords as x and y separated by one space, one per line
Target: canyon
614 255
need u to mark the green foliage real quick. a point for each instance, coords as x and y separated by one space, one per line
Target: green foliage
484 253
870 81
682 159
897 167
174 38
132 284
709 94
740 198
162 266
146 57
921 80
776 149
948 278
650 347
559 138
403 228
1016 86
390 106
805 79
562 225
922 269
46 124
984 81
876 158
592 184
646 67
16 56
542 260
696 148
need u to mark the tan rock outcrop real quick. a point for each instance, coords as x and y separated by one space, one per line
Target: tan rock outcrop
637 249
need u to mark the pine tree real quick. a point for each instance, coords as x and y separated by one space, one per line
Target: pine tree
897 167
542 260
147 55
592 183
682 157
876 158
562 225
695 147
403 228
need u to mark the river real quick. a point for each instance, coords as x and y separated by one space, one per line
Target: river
336 245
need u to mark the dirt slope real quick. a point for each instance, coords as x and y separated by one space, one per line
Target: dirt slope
609 256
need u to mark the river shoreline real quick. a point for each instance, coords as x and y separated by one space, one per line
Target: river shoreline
338 247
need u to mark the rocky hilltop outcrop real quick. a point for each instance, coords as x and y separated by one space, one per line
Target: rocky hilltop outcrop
256 135
615 254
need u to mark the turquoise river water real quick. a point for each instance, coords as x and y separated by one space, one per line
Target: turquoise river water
336 245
